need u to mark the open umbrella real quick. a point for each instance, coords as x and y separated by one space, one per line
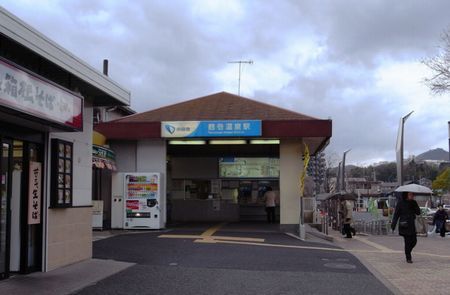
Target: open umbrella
414 188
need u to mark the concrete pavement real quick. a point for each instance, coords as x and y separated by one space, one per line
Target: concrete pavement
384 257
65 280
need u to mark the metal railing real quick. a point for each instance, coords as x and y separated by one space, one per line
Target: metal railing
373 227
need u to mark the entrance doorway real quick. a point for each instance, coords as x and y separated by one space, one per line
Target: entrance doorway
20 241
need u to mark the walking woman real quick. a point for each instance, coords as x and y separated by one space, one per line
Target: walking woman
405 214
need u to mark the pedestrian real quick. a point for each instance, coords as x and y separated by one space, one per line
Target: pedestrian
439 220
270 198
347 218
405 214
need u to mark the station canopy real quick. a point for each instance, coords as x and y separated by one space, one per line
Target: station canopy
276 123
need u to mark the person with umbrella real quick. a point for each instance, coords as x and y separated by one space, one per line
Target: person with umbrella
405 214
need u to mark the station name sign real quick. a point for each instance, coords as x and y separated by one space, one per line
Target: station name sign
227 128
29 94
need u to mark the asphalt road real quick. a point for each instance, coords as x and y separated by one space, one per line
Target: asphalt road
182 266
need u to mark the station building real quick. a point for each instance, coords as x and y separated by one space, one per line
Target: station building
47 96
218 154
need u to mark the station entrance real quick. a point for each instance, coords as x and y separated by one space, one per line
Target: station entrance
220 182
219 154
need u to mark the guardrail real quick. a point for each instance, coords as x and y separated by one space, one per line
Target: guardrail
373 227
383 226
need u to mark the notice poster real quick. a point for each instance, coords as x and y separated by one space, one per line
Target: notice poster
249 167
34 193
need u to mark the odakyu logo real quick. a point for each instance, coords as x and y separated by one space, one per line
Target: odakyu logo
171 129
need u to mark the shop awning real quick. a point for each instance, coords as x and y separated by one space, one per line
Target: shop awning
103 158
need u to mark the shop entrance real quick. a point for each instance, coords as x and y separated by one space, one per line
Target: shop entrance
20 241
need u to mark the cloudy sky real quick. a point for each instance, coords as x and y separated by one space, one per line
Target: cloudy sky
356 62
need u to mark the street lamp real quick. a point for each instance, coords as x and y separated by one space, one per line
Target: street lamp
343 170
399 149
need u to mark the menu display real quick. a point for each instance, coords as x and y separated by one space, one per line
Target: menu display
62 158
249 167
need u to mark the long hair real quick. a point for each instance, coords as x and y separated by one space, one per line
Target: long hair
404 195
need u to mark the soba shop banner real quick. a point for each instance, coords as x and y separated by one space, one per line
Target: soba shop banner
30 94
229 128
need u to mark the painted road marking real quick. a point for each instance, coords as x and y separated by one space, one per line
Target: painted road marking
327 249
207 237
373 244
210 231
256 240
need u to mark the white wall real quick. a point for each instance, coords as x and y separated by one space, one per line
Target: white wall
291 167
82 158
125 155
151 157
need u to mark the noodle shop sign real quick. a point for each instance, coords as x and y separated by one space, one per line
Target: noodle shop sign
27 93
34 193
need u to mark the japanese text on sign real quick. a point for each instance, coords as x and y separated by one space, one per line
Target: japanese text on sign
34 193
24 92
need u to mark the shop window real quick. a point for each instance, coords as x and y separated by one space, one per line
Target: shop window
62 174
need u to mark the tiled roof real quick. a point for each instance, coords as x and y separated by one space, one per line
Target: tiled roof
218 106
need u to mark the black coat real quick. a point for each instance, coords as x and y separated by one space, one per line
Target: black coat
405 212
440 215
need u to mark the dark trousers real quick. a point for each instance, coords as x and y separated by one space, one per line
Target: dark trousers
410 243
440 227
270 214
347 230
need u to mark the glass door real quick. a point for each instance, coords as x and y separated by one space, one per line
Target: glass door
5 193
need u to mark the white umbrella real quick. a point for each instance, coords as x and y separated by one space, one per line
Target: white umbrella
414 188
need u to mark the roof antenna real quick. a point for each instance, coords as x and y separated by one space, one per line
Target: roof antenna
240 62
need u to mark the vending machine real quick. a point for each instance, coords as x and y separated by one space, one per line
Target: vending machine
142 201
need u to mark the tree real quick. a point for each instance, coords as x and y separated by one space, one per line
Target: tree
439 82
442 182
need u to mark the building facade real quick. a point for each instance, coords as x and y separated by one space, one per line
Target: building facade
47 96
217 155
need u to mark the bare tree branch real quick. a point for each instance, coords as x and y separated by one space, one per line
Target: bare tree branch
439 82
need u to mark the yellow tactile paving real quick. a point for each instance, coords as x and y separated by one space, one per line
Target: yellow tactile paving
208 236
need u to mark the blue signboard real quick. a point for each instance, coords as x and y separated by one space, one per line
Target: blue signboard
228 128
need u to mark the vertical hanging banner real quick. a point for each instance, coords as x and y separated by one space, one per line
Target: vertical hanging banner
34 193
306 158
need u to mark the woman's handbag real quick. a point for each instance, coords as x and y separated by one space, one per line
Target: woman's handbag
403 224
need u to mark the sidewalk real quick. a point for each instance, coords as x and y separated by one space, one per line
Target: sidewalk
384 257
65 280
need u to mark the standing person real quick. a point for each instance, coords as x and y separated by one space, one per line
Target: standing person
439 220
347 218
270 197
405 213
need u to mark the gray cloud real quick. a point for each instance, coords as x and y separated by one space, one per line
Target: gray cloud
169 51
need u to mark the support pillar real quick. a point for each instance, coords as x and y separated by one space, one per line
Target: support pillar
291 167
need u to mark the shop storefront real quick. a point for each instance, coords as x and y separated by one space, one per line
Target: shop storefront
46 144
218 154
103 165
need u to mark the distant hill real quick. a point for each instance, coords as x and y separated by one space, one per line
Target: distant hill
436 154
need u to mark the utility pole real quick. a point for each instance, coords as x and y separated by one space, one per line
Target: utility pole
240 62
